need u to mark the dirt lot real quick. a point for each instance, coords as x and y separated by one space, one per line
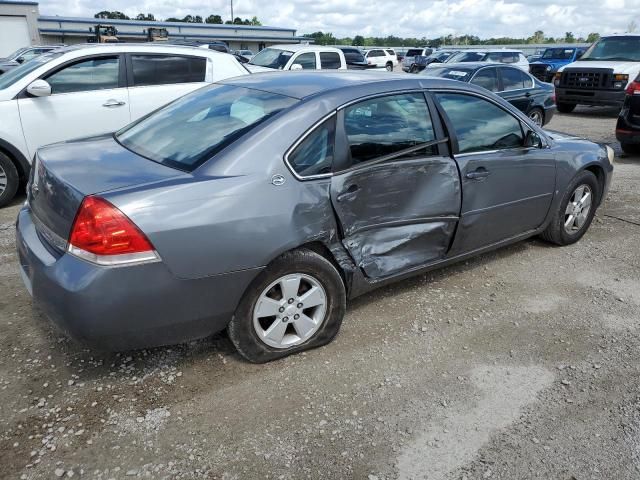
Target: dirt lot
520 364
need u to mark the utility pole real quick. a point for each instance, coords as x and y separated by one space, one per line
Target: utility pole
231 11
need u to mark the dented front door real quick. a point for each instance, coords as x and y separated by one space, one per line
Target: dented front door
399 215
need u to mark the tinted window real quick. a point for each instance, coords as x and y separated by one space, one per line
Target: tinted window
412 52
314 155
166 69
480 125
375 53
487 78
457 72
329 60
15 74
93 74
189 131
353 55
386 125
466 57
515 79
306 60
391 52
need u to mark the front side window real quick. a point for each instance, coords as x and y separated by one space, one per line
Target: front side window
18 73
386 125
86 75
329 60
167 69
306 60
192 129
515 79
314 155
479 124
487 78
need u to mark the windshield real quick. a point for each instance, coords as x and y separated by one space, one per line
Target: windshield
558 54
622 49
15 74
466 57
271 58
452 73
189 131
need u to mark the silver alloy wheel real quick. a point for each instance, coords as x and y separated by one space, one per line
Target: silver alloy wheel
578 209
536 116
3 180
290 310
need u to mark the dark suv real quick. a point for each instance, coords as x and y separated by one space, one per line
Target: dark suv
355 58
628 127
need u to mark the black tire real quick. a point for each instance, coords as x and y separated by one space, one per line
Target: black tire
566 107
389 67
536 111
241 330
413 69
630 148
8 173
555 232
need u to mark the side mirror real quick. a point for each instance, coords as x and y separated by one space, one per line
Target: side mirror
20 59
533 140
39 88
296 66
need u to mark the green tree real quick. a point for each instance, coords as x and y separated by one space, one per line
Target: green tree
255 21
538 37
569 37
115 15
149 17
632 27
593 37
216 19
358 40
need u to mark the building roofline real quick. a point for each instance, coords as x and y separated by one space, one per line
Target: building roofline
146 23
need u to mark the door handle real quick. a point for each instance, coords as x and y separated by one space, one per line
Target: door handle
348 193
112 103
478 174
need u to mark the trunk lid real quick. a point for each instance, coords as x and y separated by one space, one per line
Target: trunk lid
65 173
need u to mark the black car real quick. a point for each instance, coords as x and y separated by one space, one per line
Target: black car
355 58
533 97
628 127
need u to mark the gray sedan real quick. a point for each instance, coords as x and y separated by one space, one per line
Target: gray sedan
261 204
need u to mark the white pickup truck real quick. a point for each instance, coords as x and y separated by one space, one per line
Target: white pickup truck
601 75
297 57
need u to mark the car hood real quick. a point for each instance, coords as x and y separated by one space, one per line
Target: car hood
618 67
258 69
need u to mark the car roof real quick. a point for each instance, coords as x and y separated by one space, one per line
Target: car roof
475 65
490 50
302 84
151 47
296 47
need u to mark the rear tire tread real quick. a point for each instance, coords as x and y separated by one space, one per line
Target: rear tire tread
13 179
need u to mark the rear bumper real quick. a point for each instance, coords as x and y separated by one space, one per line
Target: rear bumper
628 136
121 308
590 97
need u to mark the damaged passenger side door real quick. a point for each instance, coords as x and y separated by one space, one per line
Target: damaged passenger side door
397 196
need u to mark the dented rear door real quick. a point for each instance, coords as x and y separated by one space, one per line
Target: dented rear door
398 201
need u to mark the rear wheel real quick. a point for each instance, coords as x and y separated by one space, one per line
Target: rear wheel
537 116
9 180
630 148
566 107
295 304
576 210
389 67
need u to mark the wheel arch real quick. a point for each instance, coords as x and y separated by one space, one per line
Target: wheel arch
598 171
18 159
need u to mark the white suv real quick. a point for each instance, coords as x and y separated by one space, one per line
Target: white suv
87 90
382 58
297 57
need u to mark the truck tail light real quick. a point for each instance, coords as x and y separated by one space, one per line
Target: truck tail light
102 234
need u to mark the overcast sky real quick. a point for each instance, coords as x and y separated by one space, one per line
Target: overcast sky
404 18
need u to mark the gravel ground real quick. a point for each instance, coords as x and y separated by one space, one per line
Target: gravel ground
519 364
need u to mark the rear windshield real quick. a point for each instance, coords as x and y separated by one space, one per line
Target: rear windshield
189 131
558 54
467 57
452 73
15 74
272 58
620 49
412 52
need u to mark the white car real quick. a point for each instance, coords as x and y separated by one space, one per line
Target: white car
382 58
90 90
514 58
297 57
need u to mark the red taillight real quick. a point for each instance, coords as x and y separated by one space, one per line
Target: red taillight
633 88
103 230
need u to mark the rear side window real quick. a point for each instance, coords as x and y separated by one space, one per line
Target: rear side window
487 78
93 74
515 79
386 125
391 52
314 155
329 60
167 69
412 52
353 55
480 125
306 60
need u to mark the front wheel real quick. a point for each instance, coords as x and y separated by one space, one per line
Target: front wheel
576 210
537 116
389 67
9 180
566 107
295 304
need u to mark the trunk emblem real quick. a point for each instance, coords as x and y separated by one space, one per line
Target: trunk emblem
277 180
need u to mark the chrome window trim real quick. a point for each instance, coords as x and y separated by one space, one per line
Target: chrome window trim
302 138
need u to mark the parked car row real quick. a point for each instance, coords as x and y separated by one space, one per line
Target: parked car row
23 55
